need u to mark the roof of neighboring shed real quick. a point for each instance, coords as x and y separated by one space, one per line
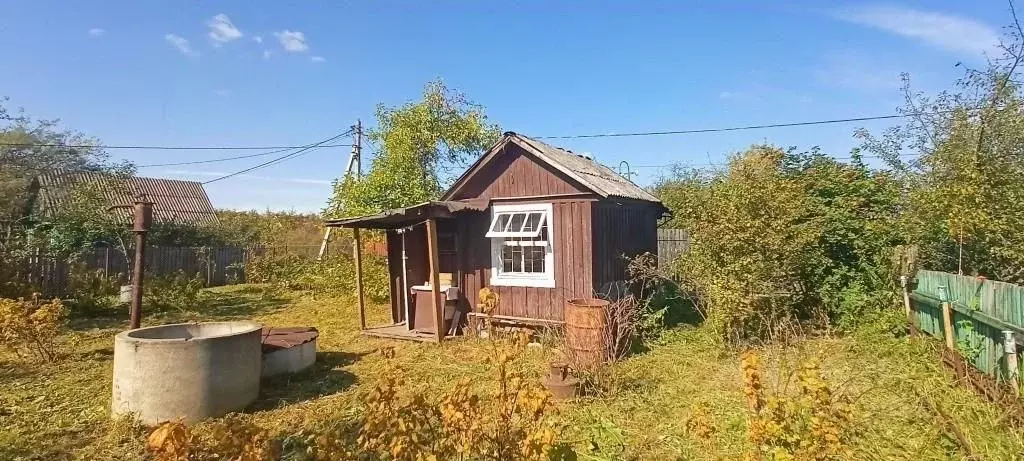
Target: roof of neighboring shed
589 173
402 217
173 200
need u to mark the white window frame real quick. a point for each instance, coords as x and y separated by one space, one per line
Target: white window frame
539 280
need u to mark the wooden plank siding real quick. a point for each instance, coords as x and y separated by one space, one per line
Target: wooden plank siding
515 176
416 265
589 236
621 231
571 236
516 173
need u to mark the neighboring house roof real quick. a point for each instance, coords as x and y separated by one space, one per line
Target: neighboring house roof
173 200
600 179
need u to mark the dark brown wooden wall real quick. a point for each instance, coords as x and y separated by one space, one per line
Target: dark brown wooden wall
589 238
417 264
573 264
620 231
515 173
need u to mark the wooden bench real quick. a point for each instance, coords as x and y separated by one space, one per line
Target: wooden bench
476 320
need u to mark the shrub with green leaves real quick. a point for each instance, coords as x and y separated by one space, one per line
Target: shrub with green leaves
177 291
335 276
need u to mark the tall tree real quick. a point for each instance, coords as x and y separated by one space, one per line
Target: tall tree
965 196
420 145
31 146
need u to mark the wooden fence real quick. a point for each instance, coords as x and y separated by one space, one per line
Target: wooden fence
216 265
671 244
981 318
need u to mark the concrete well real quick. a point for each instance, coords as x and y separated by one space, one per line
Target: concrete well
187 370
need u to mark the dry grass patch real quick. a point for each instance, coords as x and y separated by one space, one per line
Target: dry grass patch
683 398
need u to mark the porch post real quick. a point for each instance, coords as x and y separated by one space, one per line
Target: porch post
359 277
435 285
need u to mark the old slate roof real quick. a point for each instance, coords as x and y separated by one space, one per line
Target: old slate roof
589 173
173 200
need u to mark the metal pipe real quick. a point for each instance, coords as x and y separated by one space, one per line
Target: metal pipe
405 279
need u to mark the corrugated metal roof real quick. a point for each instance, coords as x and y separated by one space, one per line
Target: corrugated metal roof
173 200
595 176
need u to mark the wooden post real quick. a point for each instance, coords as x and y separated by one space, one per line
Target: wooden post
904 282
947 325
435 286
1012 373
357 243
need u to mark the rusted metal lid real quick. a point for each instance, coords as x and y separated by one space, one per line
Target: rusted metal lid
287 337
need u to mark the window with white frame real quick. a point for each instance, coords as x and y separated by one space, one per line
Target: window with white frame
521 250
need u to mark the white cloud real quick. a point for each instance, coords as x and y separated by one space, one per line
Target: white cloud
294 42
222 92
97 32
730 95
258 39
181 43
951 33
222 30
266 54
317 59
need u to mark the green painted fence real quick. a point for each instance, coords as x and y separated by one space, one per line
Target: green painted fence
981 310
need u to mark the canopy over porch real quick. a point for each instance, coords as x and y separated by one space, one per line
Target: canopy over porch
404 217
400 218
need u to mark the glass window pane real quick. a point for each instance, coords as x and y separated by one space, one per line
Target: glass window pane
517 259
516 224
532 221
500 221
506 259
535 258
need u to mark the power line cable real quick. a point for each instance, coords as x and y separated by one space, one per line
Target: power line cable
281 158
225 159
103 146
749 127
725 161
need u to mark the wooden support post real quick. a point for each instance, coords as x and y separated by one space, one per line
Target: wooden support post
435 286
357 243
947 325
904 282
1012 373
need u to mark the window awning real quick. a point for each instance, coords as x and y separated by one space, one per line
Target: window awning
517 224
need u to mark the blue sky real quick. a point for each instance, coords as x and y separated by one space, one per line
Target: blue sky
291 73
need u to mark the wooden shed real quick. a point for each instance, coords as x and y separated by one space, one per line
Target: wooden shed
538 224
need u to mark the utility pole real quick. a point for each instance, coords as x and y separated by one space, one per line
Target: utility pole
353 167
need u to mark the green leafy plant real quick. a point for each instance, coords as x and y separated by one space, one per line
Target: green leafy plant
91 291
970 343
416 143
177 291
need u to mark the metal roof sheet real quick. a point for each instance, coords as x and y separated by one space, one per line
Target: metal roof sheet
173 200
595 176
402 217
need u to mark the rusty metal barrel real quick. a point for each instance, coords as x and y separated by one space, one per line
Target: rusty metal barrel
586 321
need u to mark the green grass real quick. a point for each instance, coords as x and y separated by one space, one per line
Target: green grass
61 411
